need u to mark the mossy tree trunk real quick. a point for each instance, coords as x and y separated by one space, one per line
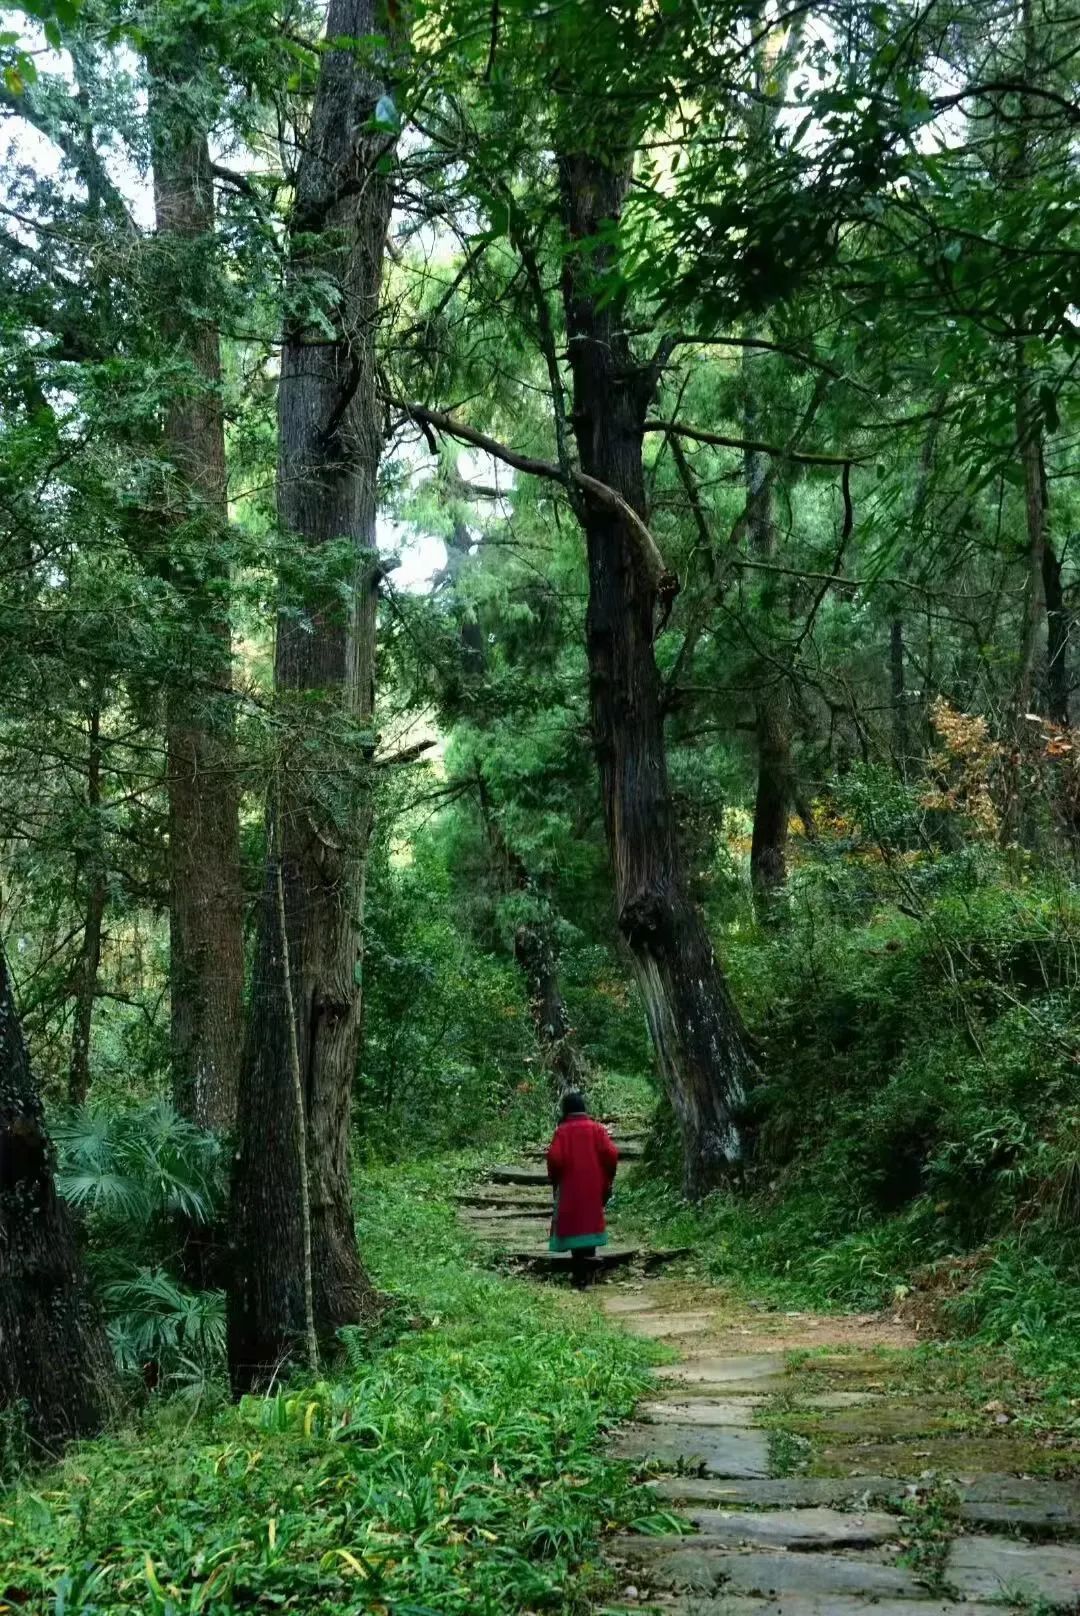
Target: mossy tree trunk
330 441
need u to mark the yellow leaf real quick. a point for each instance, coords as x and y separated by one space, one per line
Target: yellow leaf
271 1532
152 1576
352 1562
309 1418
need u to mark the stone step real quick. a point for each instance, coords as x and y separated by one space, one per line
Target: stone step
783 1492
658 1325
629 1150
1030 1505
714 1411
795 1604
797 1528
553 1261
520 1175
510 1197
1001 1568
523 1235
694 1564
712 1451
725 1371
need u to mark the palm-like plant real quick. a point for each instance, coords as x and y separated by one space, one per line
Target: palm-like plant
141 1179
139 1166
155 1321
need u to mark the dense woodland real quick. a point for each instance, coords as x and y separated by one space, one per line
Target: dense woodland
538 547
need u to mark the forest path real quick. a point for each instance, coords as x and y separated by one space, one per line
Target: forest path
813 1467
815 1474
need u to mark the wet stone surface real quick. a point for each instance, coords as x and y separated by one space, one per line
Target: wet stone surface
712 1451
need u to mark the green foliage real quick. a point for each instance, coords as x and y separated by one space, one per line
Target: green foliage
916 1127
449 1468
140 1168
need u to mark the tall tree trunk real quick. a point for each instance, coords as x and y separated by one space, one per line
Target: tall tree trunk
329 447
899 699
536 947
205 899
1058 683
699 1039
53 1354
86 974
772 800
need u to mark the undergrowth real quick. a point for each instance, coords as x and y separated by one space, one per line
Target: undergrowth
447 1466
916 1129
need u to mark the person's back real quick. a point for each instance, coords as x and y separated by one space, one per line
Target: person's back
581 1163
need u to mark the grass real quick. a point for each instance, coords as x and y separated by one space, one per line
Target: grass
449 1467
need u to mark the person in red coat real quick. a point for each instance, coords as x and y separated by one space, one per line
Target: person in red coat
581 1164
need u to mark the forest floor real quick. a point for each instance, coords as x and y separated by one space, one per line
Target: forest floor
664 1442
816 1464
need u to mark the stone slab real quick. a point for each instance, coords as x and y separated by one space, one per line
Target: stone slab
704 1411
728 1371
1001 1568
541 1257
797 1528
1036 1520
1006 1489
877 1422
656 1325
691 1563
778 1492
520 1175
715 1451
818 1605
630 1302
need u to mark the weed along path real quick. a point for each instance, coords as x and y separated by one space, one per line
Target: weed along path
809 1465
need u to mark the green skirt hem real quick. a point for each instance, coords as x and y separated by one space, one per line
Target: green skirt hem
575 1242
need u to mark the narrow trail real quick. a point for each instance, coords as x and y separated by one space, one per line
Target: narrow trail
810 1474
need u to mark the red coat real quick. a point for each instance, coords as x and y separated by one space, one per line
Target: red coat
581 1163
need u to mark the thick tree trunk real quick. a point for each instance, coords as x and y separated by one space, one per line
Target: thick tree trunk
86 974
205 899
53 1354
329 447
697 1033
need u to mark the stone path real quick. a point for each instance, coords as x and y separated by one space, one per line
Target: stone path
798 1476
805 1486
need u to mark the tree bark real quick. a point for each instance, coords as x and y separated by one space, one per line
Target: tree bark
1058 683
329 446
698 1036
86 974
206 950
53 1353
772 800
